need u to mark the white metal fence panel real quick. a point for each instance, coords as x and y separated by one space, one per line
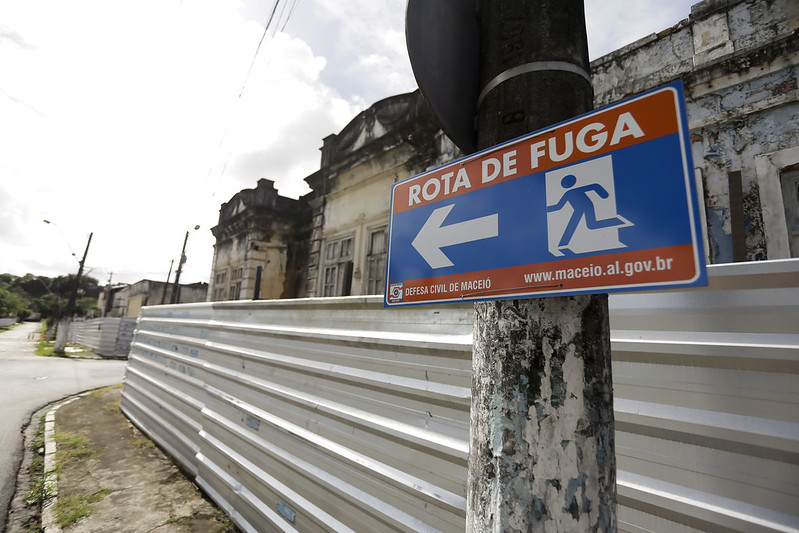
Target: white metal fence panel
339 415
163 393
352 417
127 326
706 386
75 329
106 336
99 334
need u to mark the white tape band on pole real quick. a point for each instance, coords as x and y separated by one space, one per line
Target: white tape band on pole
536 66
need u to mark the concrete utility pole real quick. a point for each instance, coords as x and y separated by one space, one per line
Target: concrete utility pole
176 287
61 341
166 285
542 454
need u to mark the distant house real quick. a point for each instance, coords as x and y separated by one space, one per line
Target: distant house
736 60
126 300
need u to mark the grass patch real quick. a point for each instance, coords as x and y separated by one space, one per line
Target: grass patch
98 393
71 446
70 509
45 348
38 437
38 491
223 519
112 407
143 442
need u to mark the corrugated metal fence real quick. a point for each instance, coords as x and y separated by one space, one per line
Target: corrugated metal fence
107 336
339 415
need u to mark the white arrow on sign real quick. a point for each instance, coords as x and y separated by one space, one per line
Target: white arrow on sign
432 237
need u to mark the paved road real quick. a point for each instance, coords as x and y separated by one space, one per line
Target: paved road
28 383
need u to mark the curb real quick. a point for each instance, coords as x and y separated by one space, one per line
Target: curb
49 518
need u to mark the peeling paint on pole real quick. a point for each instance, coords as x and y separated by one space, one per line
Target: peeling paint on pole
542 436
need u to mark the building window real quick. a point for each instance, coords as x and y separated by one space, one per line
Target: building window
376 261
338 268
790 199
220 281
235 291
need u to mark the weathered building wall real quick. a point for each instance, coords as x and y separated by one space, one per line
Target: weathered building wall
738 63
394 139
256 254
129 299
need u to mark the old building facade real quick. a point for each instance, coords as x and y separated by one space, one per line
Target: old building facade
259 246
393 140
738 63
126 300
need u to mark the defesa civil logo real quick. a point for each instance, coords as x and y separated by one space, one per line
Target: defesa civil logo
395 292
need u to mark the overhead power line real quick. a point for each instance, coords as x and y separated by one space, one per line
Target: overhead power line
258 48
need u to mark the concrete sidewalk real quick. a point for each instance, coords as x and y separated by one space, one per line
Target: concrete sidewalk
111 471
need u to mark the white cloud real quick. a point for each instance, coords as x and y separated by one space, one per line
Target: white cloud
282 116
116 120
613 24
347 33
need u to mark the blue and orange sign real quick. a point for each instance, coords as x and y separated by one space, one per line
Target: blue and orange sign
604 202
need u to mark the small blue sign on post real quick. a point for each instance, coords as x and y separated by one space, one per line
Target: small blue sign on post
604 202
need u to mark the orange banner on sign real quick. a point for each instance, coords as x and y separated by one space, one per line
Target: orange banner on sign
658 266
639 120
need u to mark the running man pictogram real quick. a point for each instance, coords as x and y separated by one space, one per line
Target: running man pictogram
581 208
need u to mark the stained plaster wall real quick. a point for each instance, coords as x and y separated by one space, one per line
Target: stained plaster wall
129 299
738 62
256 229
393 140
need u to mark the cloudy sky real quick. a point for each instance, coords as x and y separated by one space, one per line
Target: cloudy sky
137 119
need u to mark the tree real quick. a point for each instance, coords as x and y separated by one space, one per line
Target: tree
63 285
84 305
11 303
23 295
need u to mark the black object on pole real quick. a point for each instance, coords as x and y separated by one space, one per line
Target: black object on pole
542 452
443 45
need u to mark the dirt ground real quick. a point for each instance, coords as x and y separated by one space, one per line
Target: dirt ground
128 483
